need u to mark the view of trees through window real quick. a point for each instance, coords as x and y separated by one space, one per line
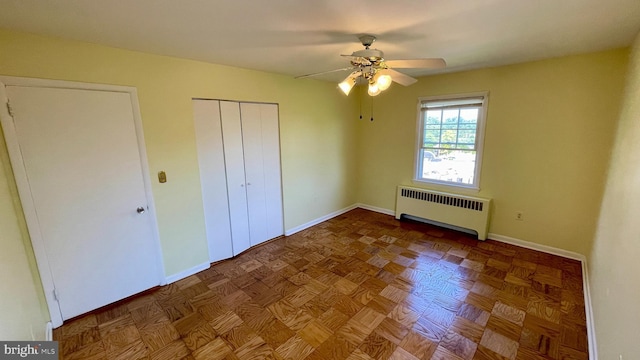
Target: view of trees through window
448 150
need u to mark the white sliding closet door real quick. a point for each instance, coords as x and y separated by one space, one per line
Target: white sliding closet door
236 183
261 136
254 171
272 172
239 158
208 126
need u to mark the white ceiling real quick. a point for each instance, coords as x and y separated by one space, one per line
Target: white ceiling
297 37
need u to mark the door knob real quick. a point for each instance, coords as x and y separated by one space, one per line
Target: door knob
140 210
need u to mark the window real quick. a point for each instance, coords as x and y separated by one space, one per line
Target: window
450 136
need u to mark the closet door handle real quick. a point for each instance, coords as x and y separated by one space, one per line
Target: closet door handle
241 185
248 183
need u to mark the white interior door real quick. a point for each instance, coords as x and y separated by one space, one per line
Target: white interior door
84 167
213 178
236 183
254 171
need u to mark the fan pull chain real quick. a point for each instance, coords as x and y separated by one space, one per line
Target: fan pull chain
360 105
372 108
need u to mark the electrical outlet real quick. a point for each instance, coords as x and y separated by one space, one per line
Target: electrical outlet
519 215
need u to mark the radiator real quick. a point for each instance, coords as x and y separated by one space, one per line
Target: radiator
445 209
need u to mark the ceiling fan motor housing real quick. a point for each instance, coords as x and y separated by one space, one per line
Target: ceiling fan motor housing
367 57
370 54
367 40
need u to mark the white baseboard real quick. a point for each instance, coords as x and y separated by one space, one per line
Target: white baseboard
591 330
376 209
591 333
48 332
317 221
186 273
539 247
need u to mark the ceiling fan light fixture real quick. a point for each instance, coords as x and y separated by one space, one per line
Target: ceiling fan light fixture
383 81
347 84
374 90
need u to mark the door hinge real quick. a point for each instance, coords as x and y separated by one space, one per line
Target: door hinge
56 295
9 108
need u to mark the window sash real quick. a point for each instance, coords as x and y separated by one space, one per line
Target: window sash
460 102
445 131
454 103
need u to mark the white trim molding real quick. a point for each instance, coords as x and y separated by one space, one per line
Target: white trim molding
186 273
376 209
539 247
48 332
22 181
588 309
317 221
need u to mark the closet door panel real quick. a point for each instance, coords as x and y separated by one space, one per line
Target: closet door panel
213 179
254 170
236 184
272 171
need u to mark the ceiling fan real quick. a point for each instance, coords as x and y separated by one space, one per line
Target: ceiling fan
370 66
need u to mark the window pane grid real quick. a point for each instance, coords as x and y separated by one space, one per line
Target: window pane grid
447 128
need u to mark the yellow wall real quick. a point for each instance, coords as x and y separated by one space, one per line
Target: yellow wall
318 154
23 312
549 129
613 264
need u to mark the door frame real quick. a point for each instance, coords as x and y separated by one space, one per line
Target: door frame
24 190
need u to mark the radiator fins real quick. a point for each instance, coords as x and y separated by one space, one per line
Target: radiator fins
443 199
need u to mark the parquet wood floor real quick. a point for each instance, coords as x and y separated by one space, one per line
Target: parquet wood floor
360 286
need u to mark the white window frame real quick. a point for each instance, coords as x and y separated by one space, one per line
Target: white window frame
482 116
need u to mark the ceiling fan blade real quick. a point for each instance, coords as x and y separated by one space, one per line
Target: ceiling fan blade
353 75
324 72
400 78
435 63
